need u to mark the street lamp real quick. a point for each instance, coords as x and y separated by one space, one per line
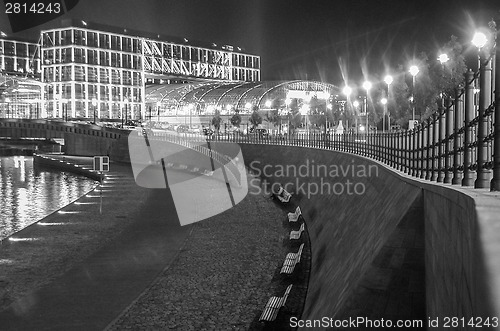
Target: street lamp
388 80
414 72
347 90
94 103
479 40
443 58
367 85
384 103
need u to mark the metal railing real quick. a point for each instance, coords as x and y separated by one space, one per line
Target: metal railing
459 144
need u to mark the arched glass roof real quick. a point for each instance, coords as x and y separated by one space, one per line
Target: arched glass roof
207 97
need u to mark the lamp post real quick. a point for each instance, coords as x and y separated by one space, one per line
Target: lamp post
367 85
355 104
347 90
414 72
388 80
383 101
94 103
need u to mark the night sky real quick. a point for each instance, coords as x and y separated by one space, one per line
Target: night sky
299 39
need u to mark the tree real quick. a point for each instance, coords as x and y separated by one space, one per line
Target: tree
273 117
236 119
450 74
216 120
255 118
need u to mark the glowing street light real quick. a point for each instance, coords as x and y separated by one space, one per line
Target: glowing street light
347 90
388 80
479 40
367 85
414 72
443 58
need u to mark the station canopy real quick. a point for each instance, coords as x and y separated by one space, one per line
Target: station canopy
205 98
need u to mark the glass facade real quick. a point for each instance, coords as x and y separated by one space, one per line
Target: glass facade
88 71
226 97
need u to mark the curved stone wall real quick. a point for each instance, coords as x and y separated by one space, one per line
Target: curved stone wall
347 231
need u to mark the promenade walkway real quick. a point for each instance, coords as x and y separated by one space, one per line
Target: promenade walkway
222 267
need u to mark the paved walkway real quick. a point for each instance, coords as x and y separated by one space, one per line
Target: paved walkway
215 274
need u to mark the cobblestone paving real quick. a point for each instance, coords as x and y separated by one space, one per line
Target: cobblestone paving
221 279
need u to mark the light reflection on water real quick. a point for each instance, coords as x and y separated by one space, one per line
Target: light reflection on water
27 194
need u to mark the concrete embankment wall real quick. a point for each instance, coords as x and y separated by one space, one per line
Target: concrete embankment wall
348 230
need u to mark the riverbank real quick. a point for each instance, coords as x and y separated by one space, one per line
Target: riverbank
80 269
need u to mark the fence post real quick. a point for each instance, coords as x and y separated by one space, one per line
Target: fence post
424 164
467 179
482 174
433 147
447 140
457 128
440 137
495 181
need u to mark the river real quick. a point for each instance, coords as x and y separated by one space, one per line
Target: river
28 193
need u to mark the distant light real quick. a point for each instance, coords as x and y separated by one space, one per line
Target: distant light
361 128
288 101
84 23
414 70
304 109
347 90
443 58
355 103
329 106
479 40
367 85
22 239
228 107
248 105
268 103
68 212
51 224
388 79
383 101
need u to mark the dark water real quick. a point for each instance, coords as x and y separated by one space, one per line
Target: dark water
28 194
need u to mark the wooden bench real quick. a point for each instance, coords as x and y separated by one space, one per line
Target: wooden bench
273 306
283 195
294 217
297 234
291 261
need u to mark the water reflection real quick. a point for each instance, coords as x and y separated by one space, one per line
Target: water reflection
28 194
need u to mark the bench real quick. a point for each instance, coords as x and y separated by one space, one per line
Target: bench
273 306
283 195
294 217
291 261
297 234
